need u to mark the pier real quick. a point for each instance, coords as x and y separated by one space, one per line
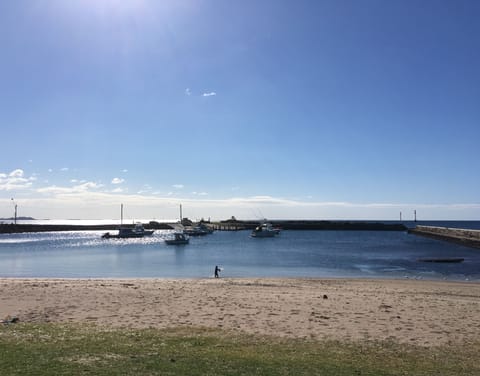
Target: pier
227 227
466 237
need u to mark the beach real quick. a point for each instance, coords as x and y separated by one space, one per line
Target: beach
424 313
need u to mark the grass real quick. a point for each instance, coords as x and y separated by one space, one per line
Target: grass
54 349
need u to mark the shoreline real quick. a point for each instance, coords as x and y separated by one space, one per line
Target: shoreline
420 312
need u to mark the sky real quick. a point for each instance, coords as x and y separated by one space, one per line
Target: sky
340 109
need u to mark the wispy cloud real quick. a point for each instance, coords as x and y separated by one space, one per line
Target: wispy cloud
188 91
178 186
124 170
18 173
63 169
200 193
15 180
55 190
211 94
117 181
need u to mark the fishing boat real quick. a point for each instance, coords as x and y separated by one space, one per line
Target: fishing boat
198 230
265 230
178 238
138 231
126 232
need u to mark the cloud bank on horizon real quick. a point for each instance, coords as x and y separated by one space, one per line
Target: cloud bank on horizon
320 110
94 200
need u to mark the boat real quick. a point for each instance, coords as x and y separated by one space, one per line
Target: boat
178 238
127 232
198 230
265 230
444 259
138 231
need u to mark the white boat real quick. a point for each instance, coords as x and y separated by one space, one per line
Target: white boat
126 232
198 230
265 230
178 238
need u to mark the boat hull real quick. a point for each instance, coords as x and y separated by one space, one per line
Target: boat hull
263 234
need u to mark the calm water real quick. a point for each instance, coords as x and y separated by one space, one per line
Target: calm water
291 254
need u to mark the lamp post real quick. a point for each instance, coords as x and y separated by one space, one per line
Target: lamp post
15 205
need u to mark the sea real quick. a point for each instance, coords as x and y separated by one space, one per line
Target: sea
293 253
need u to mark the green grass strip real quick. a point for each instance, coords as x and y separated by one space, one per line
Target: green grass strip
54 349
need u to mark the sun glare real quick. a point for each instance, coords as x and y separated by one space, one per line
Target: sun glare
117 5
106 8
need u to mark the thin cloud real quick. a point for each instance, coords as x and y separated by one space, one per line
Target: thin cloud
18 173
15 180
178 186
117 181
211 94
188 92
64 169
55 190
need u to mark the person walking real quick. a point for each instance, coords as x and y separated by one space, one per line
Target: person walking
217 269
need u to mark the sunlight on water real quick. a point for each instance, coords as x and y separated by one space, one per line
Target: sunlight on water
291 254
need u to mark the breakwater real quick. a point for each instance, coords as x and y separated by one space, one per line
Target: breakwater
467 237
230 225
19 228
221 226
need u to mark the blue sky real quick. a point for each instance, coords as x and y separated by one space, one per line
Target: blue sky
283 109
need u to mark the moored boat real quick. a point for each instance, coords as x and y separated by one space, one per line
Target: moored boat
126 232
178 238
198 230
265 230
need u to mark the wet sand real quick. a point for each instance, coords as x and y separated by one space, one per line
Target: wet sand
425 313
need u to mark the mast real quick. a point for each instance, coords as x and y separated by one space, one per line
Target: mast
15 205
121 214
181 213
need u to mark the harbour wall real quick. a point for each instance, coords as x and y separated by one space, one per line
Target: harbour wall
220 226
235 225
19 228
469 238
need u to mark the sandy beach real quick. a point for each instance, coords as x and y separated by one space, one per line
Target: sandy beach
425 313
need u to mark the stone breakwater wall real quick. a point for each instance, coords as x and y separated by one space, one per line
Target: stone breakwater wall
467 237
11 228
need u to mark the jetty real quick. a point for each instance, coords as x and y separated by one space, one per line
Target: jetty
466 237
